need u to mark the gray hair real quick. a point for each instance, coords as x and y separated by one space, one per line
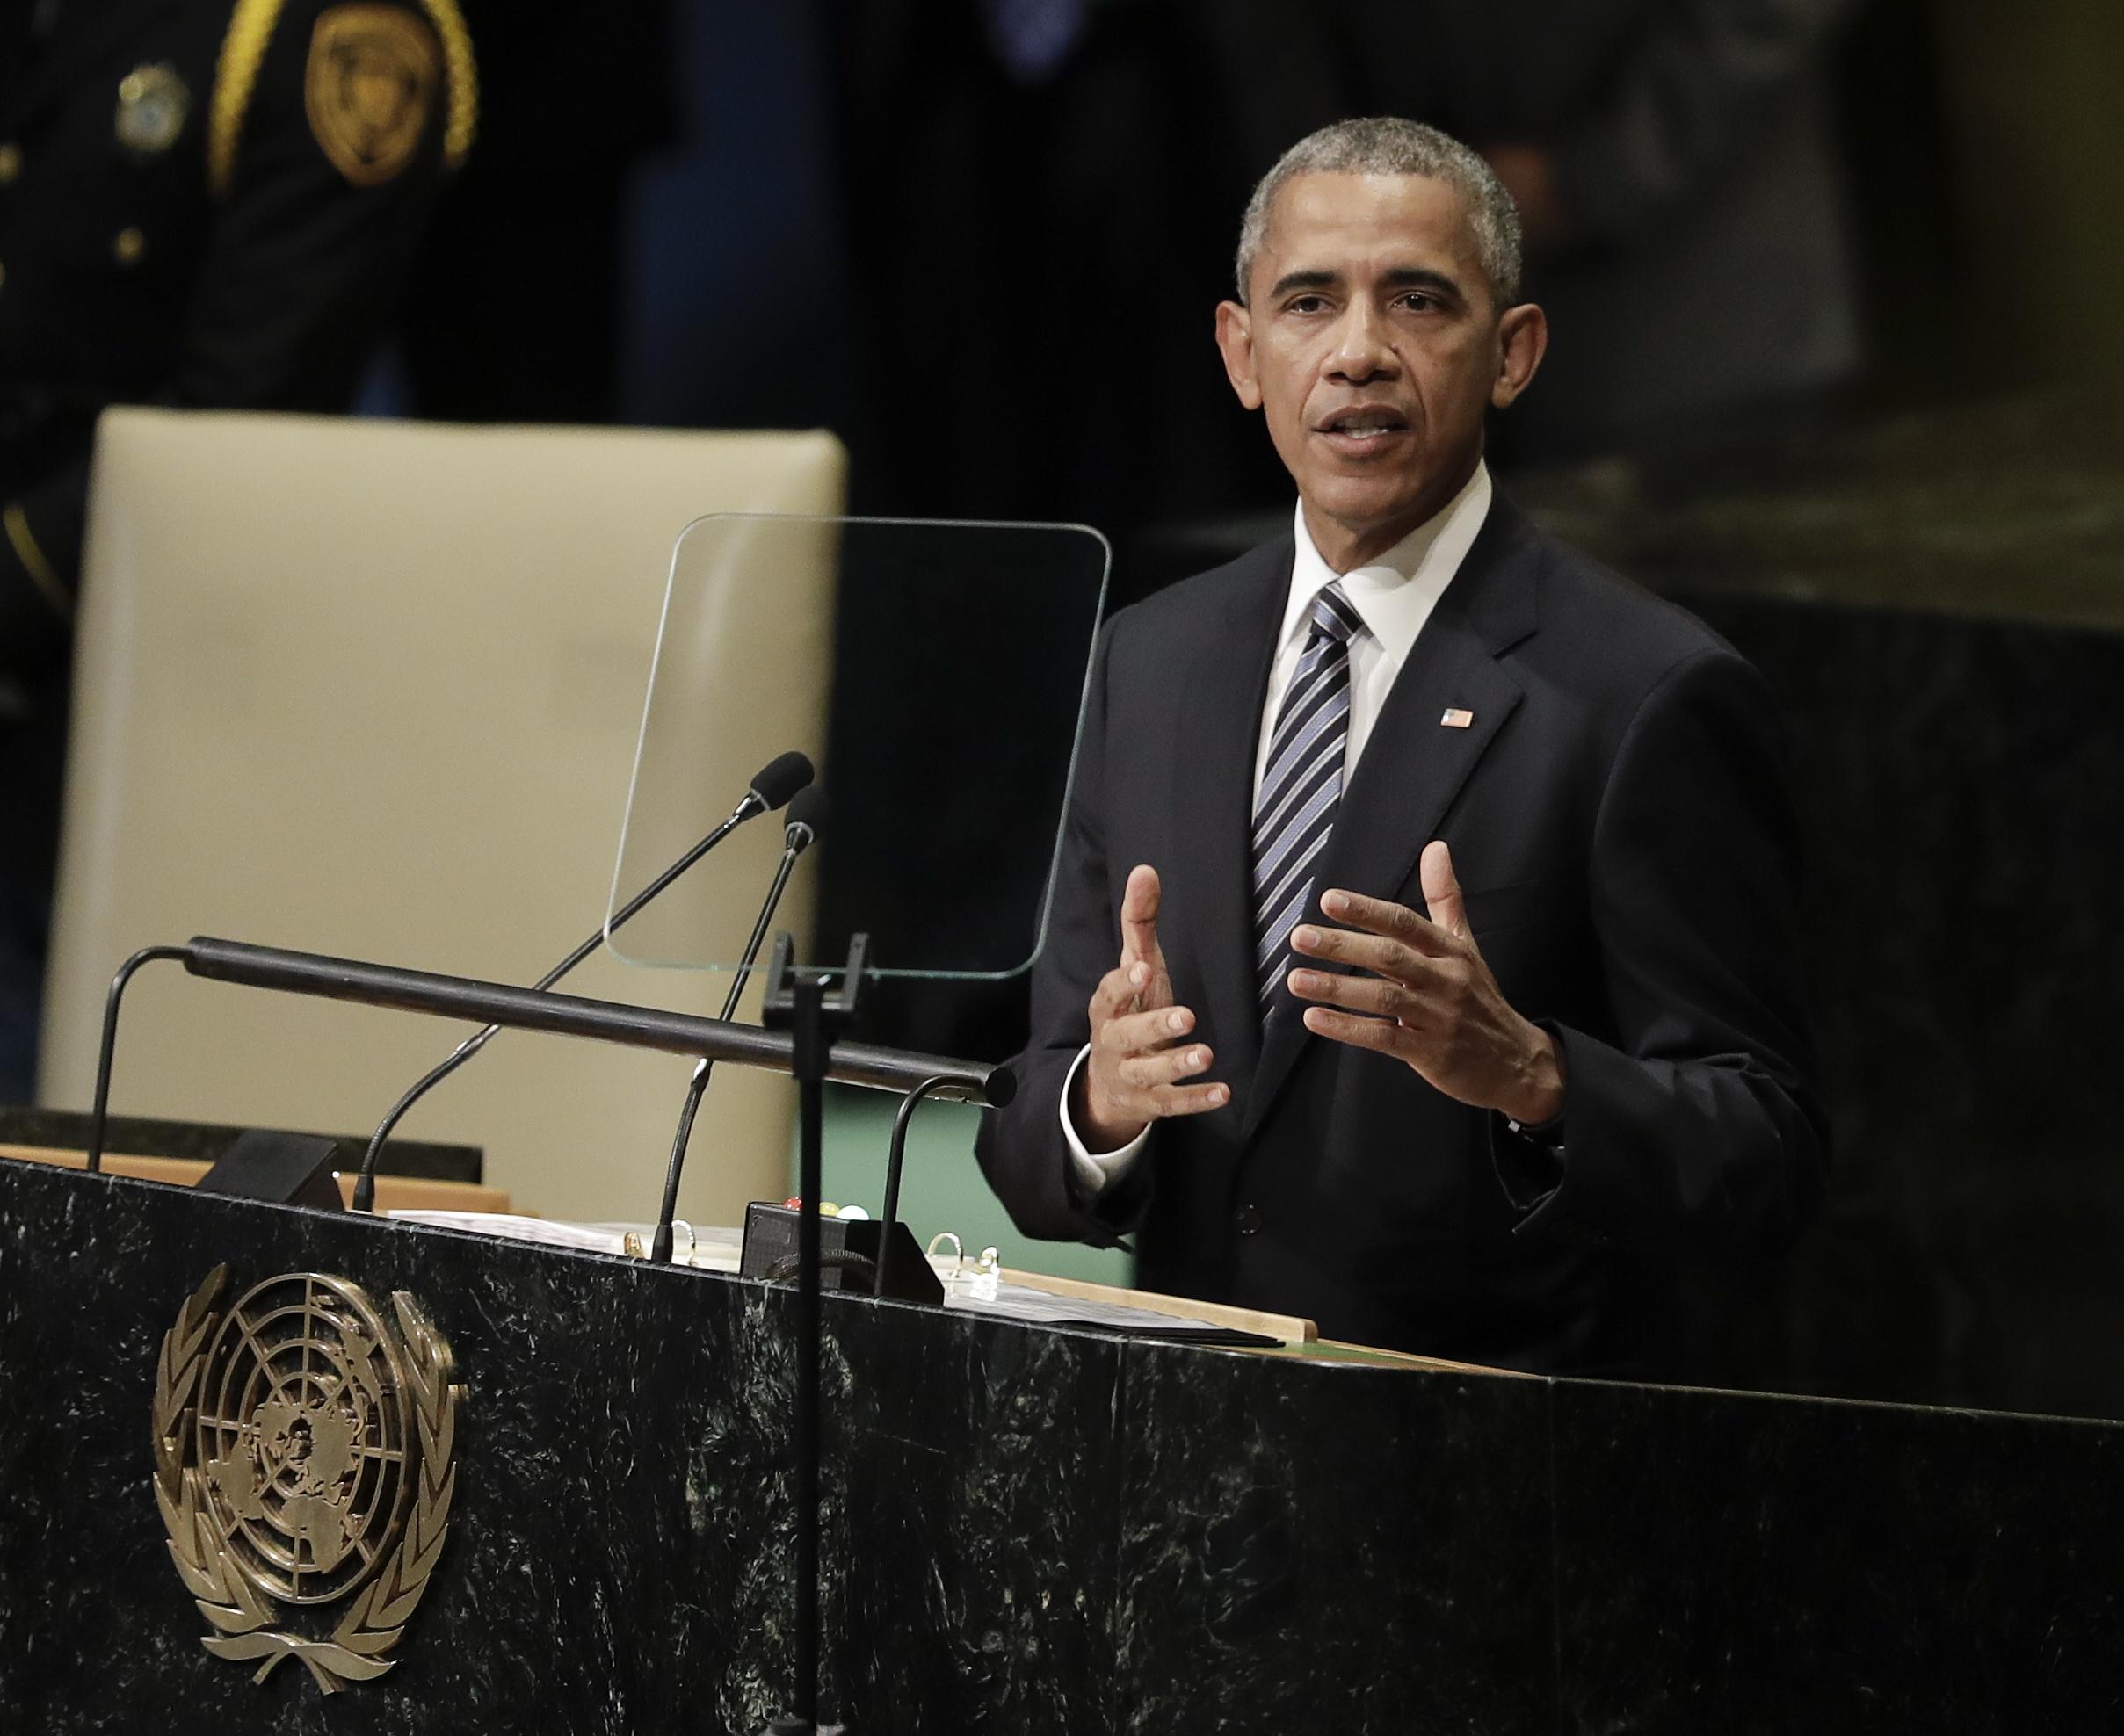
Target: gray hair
1388 145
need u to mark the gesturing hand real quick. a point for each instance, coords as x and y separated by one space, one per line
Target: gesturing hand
1140 1055
1425 997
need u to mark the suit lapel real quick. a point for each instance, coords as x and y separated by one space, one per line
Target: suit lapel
1414 765
1209 884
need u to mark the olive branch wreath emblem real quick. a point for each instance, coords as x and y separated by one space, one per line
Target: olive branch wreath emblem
374 1622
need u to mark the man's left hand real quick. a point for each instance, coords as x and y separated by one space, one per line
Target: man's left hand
1424 996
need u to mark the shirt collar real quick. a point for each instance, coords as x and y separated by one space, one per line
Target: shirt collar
1395 593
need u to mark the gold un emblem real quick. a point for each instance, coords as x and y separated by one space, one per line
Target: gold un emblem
304 1459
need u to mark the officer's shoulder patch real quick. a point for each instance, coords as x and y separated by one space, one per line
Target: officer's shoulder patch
369 87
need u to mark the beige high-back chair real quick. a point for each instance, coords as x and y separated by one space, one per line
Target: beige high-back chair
371 689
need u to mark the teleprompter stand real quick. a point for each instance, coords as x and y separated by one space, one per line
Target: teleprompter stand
815 1015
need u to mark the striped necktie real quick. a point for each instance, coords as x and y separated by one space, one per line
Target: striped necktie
1302 786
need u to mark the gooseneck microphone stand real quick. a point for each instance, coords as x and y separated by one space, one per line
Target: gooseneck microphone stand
807 813
895 1161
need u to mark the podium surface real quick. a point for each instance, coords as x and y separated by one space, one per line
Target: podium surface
1026 1528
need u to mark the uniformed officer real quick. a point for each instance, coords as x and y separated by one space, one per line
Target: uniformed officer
205 203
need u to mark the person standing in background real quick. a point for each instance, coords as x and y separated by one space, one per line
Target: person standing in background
1667 156
203 205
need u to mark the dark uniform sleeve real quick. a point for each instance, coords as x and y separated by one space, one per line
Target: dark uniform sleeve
312 244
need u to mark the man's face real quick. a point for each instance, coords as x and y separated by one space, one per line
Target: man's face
1371 342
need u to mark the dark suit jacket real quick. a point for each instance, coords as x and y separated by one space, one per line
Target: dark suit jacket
1619 819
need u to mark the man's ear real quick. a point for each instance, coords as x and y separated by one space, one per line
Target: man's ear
1522 341
1236 339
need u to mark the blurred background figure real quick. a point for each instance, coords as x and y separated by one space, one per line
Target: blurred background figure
208 204
1676 168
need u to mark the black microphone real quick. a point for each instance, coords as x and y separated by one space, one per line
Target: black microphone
807 818
772 786
809 813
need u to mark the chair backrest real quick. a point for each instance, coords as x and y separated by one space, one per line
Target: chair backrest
371 689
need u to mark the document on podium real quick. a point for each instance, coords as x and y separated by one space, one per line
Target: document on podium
718 1248
712 1249
1041 1307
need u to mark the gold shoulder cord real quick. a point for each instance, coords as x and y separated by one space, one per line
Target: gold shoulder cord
33 563
464 78
250 27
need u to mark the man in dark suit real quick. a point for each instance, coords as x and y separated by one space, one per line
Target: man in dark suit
1421 953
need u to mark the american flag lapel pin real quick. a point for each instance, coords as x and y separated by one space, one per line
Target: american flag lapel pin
1457 719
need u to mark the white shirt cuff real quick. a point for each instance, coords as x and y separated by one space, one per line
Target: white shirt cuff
1093 1171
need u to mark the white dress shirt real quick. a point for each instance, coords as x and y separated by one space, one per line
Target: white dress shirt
1393 595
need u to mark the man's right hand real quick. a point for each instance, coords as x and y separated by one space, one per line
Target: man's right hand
1140 1058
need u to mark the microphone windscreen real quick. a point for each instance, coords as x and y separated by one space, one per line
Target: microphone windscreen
809 809
781 778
